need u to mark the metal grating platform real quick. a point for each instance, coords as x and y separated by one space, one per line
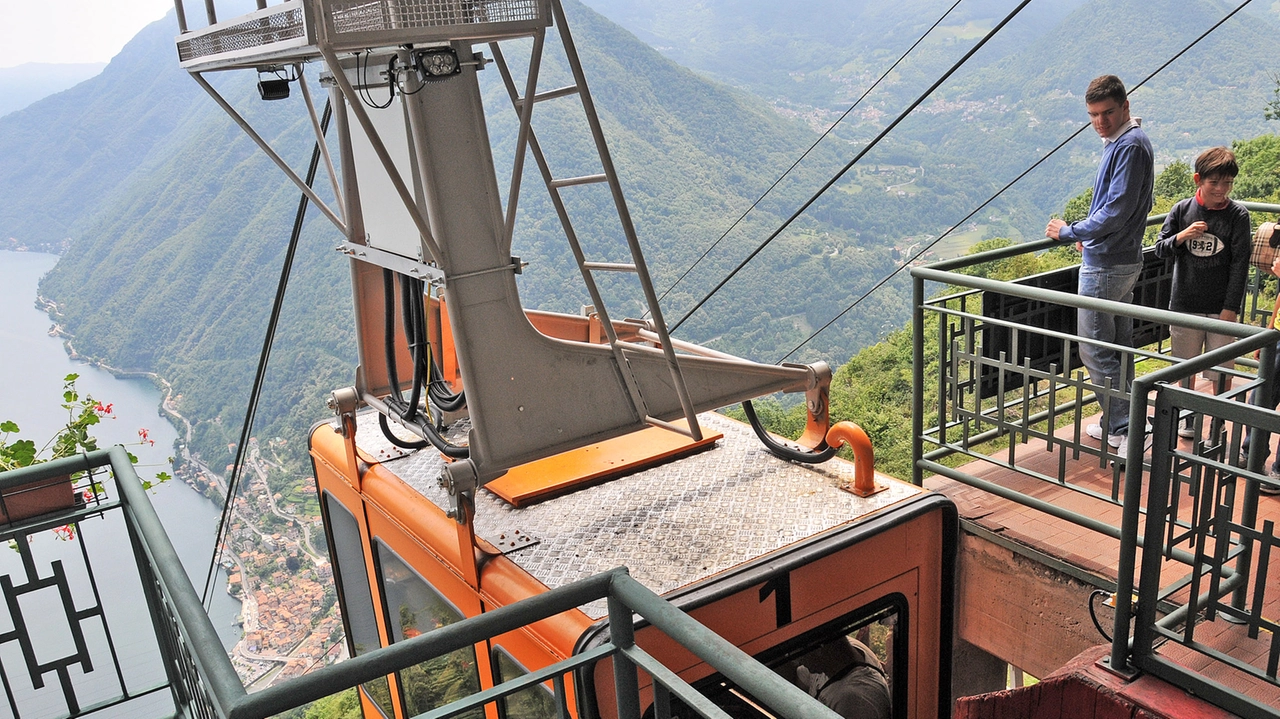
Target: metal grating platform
672 525
261 31
383 15
293 32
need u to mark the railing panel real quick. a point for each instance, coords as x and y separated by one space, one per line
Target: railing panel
73 645
71 639
1009 392
1220 623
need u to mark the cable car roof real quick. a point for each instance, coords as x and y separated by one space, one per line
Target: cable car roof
672 525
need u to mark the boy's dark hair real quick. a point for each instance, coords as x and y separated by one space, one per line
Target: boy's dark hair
1217 162
1106 87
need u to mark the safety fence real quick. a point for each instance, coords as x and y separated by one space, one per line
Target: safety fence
80 646
1002 403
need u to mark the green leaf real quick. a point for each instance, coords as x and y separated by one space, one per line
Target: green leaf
23 452
71 377
163 477
8 427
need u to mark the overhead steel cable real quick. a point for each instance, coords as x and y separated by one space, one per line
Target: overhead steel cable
835 178
1002 190
255 393
800 159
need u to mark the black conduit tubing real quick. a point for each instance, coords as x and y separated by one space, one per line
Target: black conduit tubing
396 399
264 356
401 443
422 365
414 318
408 287
1012 182
441 393
883 133
816 456
389 332
452 451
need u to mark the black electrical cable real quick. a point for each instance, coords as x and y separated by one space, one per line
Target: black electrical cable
410 312
1004 189
255 393
816 456
452 451
393 439
881 282
389 331
1093 614
835 178
362 89
441 393
806 152
408 411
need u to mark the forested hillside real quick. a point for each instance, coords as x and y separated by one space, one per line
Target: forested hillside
874 388
179 223
1018 97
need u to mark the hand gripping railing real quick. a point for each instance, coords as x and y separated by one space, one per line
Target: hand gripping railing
203 682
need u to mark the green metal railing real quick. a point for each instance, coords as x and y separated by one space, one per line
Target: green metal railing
1198 518
200 681
1230 574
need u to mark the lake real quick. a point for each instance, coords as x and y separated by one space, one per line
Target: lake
32 367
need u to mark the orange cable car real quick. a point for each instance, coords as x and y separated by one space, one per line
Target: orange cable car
772 555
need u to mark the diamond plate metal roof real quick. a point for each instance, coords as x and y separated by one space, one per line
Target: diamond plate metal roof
672 525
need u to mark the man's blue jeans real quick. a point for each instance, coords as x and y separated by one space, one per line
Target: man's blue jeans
1104 363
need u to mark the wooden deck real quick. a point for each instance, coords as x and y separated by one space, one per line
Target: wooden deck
1096 553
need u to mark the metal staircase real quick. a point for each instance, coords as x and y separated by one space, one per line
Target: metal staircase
527 141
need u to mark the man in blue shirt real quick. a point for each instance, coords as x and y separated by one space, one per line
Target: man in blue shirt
1110 239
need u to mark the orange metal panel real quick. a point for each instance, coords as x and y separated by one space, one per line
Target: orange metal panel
905 559
551 477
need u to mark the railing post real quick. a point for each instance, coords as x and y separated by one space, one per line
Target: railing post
917 385
210 12
182 16
622 635
1257 448
159 618
1132 513
1163 427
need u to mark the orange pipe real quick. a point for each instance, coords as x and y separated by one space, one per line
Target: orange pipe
864 478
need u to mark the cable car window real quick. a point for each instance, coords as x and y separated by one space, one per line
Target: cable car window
415 608
532 703
352 579
848 664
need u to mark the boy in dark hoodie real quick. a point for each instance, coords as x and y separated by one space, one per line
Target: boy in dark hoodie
1208 237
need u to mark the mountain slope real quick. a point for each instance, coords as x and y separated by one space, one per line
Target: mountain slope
24 84
180 232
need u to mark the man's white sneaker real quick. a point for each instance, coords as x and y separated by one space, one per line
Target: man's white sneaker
1122 449
1095 431
1271 490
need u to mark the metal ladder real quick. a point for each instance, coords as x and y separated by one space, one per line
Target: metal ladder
527 140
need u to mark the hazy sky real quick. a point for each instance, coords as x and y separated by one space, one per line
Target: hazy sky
74 30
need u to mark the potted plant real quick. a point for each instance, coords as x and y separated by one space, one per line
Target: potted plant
58 493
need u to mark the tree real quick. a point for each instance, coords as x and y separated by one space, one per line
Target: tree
1272 109
1175 181
1077 208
